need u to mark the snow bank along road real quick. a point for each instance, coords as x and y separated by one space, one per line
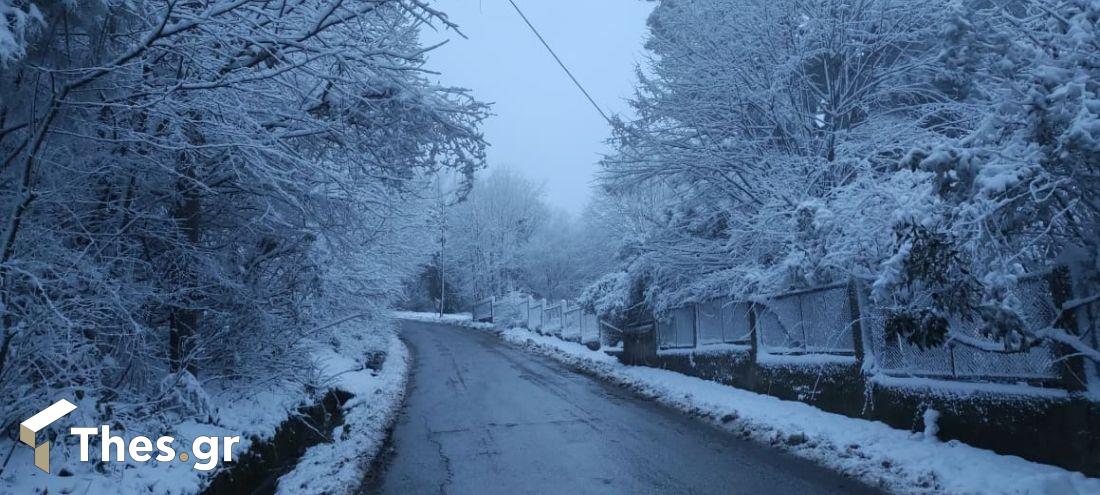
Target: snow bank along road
484 417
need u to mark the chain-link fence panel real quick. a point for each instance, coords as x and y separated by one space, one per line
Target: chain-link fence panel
677 330
896 356
723 321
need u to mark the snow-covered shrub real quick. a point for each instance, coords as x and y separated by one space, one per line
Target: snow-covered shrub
510 310
609 296
18 22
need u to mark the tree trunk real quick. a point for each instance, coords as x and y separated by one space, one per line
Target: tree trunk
184 319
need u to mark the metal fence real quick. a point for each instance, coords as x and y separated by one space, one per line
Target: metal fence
611 337
482 310
511 309
723 321
552 319
571 324
823 320
568 322
590 328
534 314
1088 321
897 357
818 320
677 329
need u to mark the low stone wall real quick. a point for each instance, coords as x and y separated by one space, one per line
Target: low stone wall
257 471
1062 430
1054 428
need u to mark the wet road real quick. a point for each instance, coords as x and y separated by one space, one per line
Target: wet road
482 417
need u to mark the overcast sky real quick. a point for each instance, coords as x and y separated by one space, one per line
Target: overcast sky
542 125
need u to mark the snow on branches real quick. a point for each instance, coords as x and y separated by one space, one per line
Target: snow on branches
940 150
187 188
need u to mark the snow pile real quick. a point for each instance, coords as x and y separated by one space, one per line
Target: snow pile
898 460
253 413
339 467
931 424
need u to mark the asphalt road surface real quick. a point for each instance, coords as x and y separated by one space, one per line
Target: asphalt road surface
483 417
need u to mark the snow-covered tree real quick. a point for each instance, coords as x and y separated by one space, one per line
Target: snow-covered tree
936 149
1016 191
751 145
187 188
488 230
566 254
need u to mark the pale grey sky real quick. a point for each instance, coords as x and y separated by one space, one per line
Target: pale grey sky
542 125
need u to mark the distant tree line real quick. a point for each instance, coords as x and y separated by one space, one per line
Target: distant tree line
503 236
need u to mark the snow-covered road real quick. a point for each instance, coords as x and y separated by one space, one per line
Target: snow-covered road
484 417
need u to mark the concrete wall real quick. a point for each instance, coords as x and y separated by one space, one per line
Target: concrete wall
1059 429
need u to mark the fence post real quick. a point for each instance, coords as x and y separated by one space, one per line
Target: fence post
492 309
694 325
857 326
1073 366
951 354
802 323
753 334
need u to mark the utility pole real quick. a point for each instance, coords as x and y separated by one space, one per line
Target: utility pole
442 247
443 265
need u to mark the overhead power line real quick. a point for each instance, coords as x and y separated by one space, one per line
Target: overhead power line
562 64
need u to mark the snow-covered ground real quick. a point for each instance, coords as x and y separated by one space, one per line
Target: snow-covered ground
463 319
339 467
898 460
252 413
